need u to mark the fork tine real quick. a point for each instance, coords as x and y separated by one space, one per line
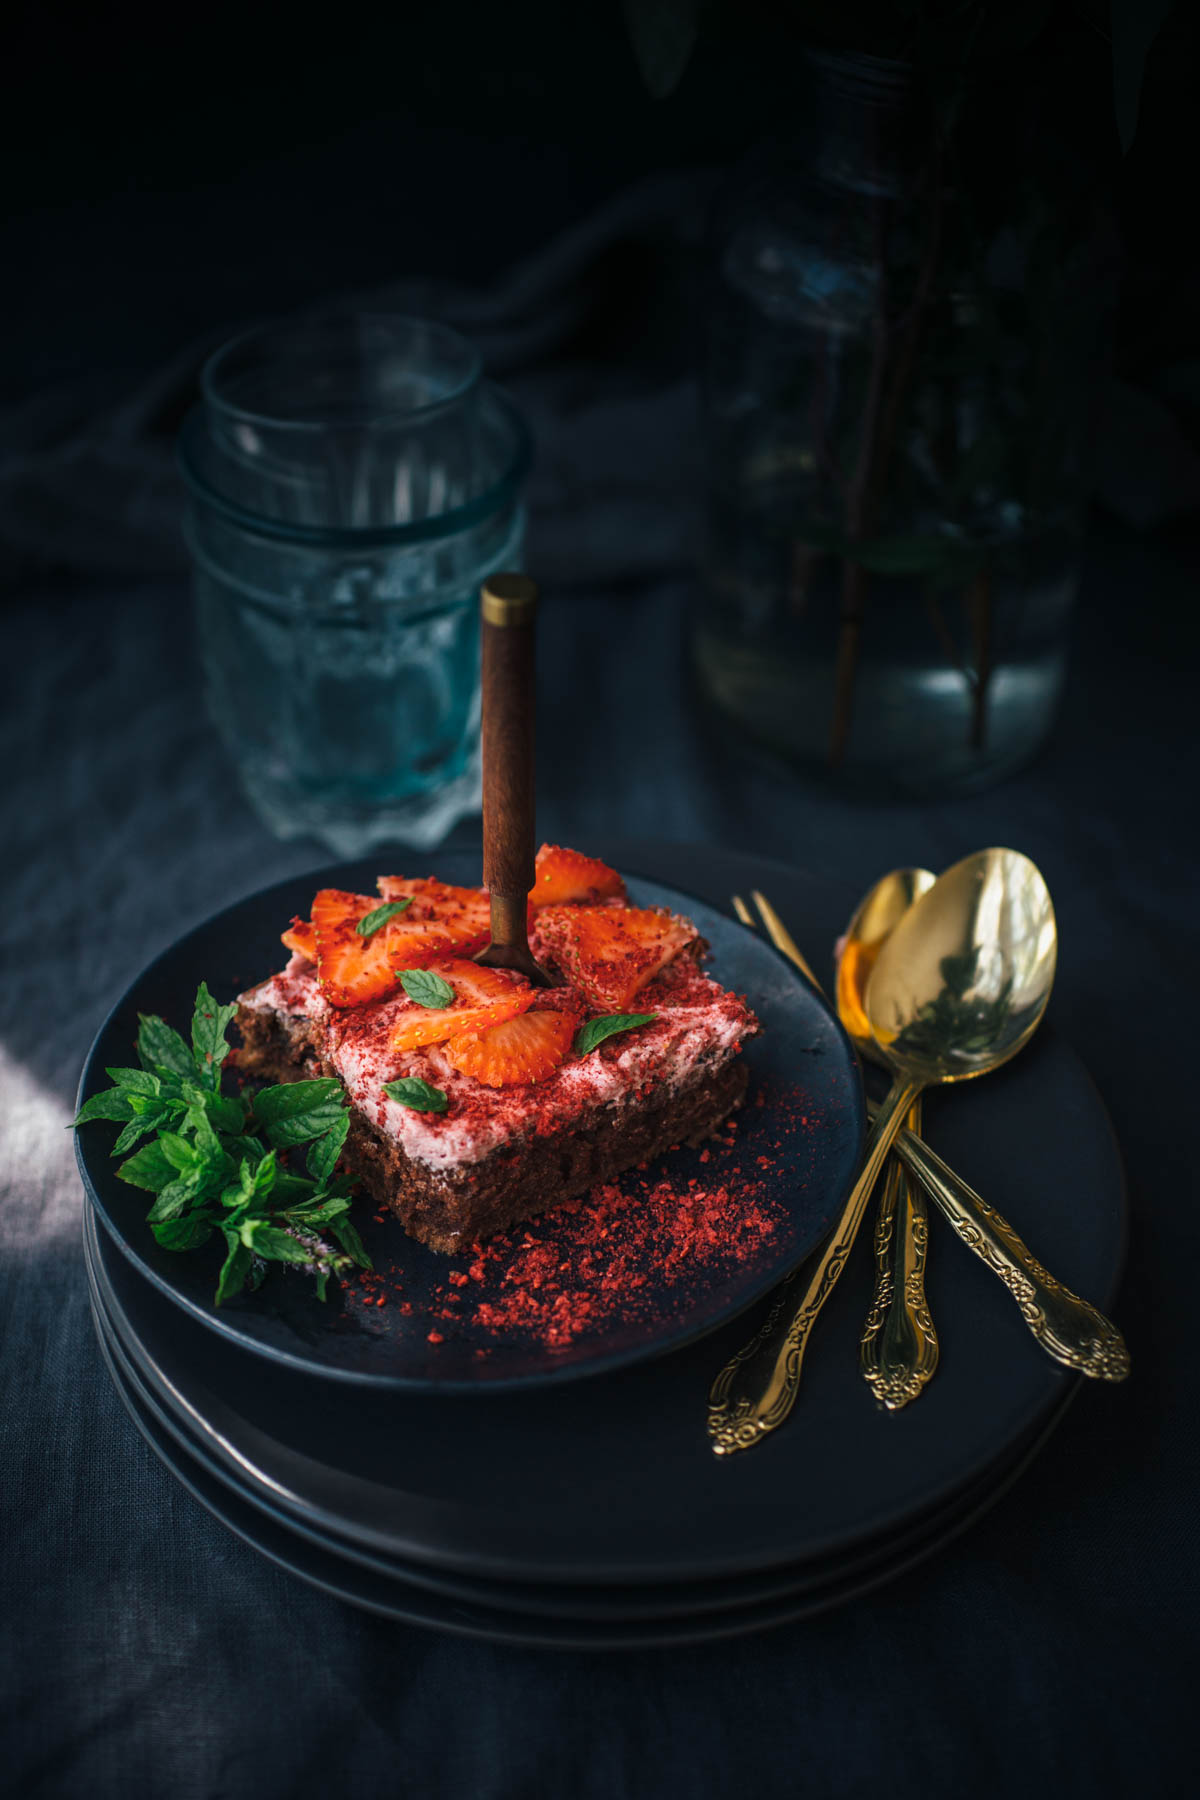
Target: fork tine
781 937
743 912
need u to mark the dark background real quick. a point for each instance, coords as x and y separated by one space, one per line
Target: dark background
175 174
171 171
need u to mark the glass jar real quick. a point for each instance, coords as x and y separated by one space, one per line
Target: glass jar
896 386
352 483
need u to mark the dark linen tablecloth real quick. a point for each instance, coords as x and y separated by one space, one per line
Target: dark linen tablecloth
145 1651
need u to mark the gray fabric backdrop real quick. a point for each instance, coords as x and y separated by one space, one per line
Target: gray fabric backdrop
145 1651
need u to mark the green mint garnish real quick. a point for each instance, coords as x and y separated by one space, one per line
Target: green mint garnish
374 920
212 1162
426 988
594 1031
410 1090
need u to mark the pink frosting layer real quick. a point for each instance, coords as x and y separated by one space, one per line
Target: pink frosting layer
699 1024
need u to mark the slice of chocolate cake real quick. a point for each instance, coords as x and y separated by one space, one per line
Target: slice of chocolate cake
477 1100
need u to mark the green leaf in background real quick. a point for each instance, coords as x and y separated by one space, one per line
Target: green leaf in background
210 1022
663 34
374 921
606 1025
322 1156
421 1096
160 1047
426 988
298 1110
182 1234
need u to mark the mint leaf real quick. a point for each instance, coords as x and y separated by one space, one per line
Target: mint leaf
317 1213
161 1048
375 920
209 1025
223 1112
291 1190
175 1198
148 1168
112 1104
179 1153
295 1111
139 1127
254 1184
138 1081
347 1236
235 1268
322 1156
410 1090
182 1234
426 988
606 1025
270 1242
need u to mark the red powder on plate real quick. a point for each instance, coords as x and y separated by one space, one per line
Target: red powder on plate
625 1252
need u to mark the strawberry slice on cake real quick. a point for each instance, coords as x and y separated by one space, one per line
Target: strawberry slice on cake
453 997
564 877
610 952
357 959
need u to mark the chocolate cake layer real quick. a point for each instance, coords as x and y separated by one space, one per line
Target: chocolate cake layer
451 1209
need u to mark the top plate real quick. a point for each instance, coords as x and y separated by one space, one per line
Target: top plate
791 1160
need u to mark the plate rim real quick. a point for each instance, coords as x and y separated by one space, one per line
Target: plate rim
976 1496
382 1381
764 1614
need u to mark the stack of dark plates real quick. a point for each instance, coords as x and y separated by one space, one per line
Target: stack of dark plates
489 1484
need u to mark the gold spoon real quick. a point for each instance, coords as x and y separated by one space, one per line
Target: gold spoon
958 988
898 1350
1069 1329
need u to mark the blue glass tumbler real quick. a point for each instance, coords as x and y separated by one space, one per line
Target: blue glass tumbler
352 482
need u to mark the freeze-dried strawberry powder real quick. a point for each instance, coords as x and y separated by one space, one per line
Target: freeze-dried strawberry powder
621 1252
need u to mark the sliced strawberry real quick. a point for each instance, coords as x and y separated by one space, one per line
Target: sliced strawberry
482 997
609 952
464 912
564 876
524 1049
353 969
301 937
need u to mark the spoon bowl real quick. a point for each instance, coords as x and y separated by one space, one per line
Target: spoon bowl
963 980
876 917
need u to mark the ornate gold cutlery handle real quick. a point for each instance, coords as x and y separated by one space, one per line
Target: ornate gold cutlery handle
757 1388
1068 1328
898 1351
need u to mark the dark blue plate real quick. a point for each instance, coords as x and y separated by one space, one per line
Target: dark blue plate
796 1148
504 1616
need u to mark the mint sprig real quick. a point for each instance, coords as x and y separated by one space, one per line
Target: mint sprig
606 1025
375 921
213 1161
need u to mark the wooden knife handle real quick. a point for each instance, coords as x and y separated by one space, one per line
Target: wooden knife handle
508 605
